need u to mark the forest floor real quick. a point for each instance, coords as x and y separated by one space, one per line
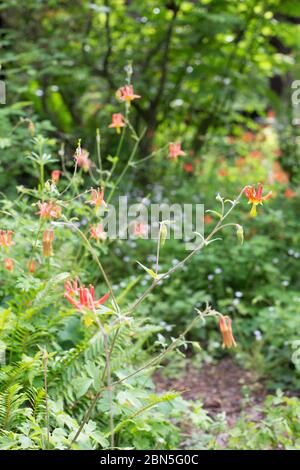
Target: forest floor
222 387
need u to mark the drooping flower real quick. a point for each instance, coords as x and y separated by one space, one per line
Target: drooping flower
82 158
248 137
140 229
188 167
84 297
289 193
255 197
49 210
48 237
97 197
241 161
223 172
31 266
175 150
126 94
226 331
271 117
97 232
71 287
208 219
278 174
6 238
117 122
9 264
55 176
256 154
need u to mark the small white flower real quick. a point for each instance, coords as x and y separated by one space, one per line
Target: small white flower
238 294
258 335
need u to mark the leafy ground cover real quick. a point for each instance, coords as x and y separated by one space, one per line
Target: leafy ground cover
137 343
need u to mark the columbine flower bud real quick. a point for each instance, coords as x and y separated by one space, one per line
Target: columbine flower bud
226 331
31 128
31 266
163 233
240 233
48 237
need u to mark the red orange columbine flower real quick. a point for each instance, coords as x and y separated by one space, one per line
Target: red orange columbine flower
97 197
71 287
9 264
82 158
97 232
175 150
289 193
140 229
208 219
256 154
83 297
126 94
6 238
55 176
188 167
117 122
226 331
255 197
49 210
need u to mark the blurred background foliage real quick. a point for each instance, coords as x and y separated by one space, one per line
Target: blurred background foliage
204 68
215 75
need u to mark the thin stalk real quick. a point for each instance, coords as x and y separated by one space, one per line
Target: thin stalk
41 223
119 179
154 361
45 362
98 142
108 377
208 312
94 254
97 396
188 257
158 249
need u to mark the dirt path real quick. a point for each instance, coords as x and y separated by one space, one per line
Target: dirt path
220 386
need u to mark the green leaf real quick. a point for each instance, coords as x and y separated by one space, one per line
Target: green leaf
81 385
151 272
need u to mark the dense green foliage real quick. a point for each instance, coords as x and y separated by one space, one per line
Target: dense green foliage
216 76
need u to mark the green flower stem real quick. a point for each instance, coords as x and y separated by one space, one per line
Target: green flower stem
218 227
94 254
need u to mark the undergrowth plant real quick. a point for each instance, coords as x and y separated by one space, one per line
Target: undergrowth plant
77 358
